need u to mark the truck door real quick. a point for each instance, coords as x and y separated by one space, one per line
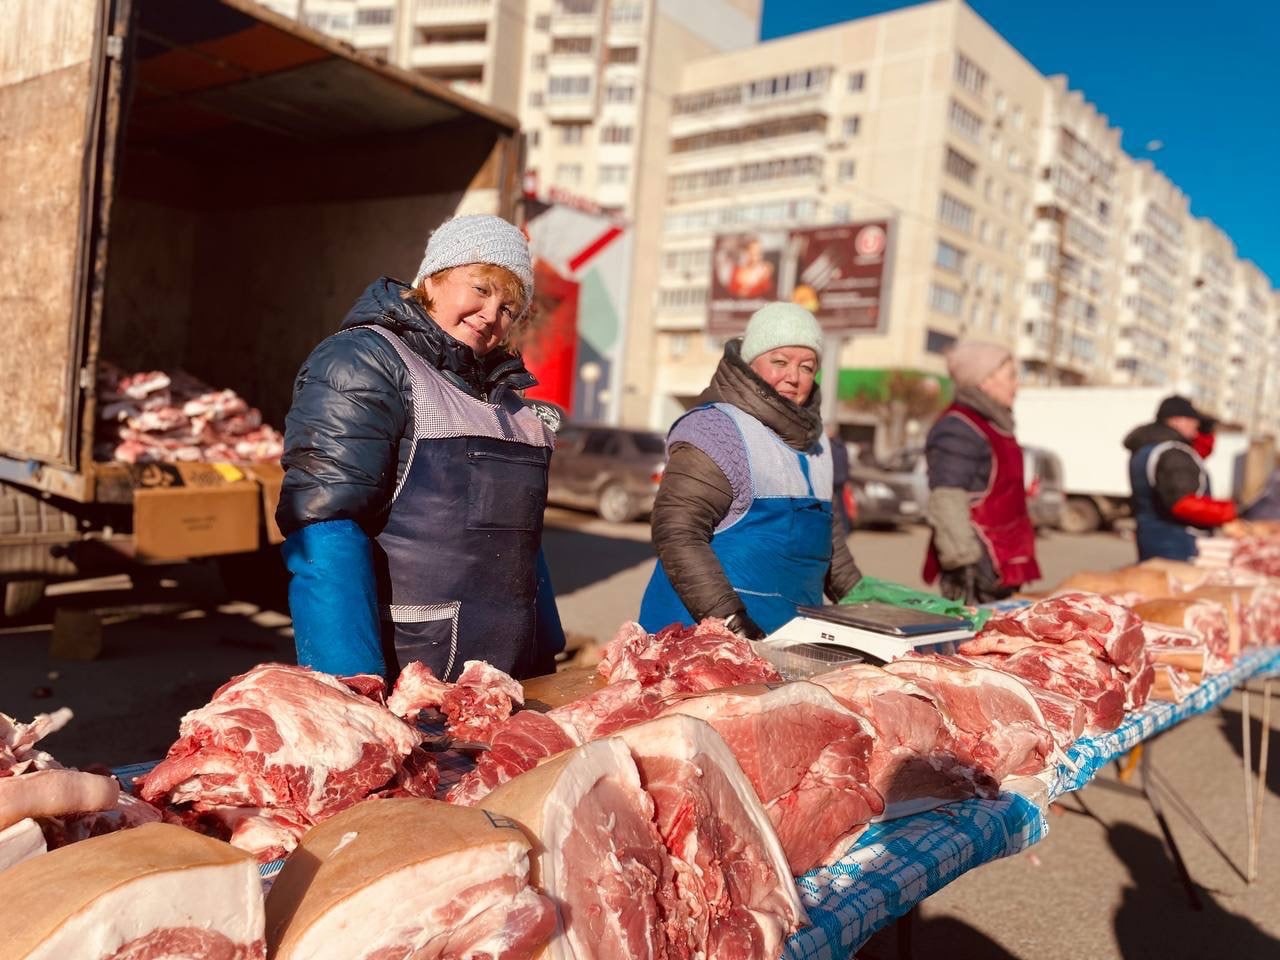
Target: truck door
61 74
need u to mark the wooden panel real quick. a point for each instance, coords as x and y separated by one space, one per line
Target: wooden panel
46 79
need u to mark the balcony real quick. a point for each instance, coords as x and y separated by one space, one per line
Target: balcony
578 109
452 13
449 56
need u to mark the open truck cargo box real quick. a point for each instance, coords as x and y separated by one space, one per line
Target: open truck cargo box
203 186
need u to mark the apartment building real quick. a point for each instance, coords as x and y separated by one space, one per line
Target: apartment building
1070 298
1251 350
924 117
1154 280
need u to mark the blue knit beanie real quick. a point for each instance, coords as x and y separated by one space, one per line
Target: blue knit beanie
479 238
780 325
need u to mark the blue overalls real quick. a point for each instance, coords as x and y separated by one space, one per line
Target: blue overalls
1159 533
777 552
456 561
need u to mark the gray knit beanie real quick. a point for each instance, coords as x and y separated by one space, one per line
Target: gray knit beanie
479 238
780 324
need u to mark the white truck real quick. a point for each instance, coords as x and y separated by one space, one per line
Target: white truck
1086 427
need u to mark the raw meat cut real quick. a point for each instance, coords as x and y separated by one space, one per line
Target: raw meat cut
128 812
518 745
1253 612
526 739
474 706
1086 622
730 869
158 417
807 757
598 855
18 752
680 659
288 741
913 761
1205 618
408 878
1093 683
1171 683
155 892
994 721
21 841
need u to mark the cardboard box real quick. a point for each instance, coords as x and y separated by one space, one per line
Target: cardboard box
270 477
205 511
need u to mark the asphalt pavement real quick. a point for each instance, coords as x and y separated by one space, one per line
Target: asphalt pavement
1101 885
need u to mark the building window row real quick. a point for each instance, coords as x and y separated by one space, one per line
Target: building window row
687 261
564 87
765 130
682 298
949 257
614 173
793 84
970 76
775 211
964 121
623 55
945 300
620 93
959 166
581 46
616 133
781 168
376 17
955 213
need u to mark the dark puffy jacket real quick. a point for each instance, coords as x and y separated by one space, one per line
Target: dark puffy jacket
1177 473
345 435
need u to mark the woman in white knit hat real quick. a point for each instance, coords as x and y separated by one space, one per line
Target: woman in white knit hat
743 524
984 545
416 476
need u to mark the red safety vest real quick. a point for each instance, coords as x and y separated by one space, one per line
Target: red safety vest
999 513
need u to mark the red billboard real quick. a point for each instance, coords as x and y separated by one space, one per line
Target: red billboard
838 272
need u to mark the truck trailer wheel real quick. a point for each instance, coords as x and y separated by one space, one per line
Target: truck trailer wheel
20 597
1080 515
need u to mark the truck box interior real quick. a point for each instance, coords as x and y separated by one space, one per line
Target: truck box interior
266 174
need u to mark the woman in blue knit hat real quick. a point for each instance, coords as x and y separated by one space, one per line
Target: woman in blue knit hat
416 476
743 524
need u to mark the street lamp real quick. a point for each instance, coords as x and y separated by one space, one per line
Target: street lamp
589 373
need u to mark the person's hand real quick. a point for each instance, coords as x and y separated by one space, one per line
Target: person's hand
742 624
960 583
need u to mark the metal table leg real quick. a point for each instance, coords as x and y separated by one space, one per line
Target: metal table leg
905 925
1153 800
1246 743
1255 832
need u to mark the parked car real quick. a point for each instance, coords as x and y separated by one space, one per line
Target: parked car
612 471
897 491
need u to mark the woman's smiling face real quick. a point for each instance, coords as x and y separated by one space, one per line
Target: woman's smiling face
476 304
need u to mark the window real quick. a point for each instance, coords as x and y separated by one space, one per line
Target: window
375 18
579 86
851 125
764 130
624 55
615 134
686 261
683 298
955 213
1001 236
935 341
571 133
964 121
984 231
700 180
1017 118
569 174
945 300
1008 200
841 213
619 93
997 147
626 12
614 173
539 62
1000 102
779 169
576 7
960 166
847 170
949 257
542 22
970 76
857 81
535 138
535 98
572 45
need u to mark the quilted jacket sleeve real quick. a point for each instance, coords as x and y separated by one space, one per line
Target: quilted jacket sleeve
343 432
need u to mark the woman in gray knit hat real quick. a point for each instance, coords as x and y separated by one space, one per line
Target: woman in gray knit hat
416 476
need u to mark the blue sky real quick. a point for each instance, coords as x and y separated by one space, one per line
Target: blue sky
1202 78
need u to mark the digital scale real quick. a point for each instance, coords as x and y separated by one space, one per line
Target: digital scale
825 638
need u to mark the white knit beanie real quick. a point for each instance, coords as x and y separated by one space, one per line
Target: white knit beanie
780 325
479 238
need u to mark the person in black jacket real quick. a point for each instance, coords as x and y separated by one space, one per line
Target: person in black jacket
416 476
1172 501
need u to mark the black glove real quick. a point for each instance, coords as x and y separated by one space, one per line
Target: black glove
960 583
742 624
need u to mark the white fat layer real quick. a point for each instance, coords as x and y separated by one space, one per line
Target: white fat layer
410 906
346 838
226 899
22 841
598 760
721 706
